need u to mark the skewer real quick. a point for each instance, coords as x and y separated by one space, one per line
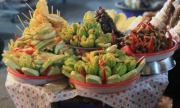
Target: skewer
29 6
26 22
21 21
25 16
30 14
52 9
19 28
57 12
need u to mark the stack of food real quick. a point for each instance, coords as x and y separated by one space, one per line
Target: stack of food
99 29
145 38
101 67
150 38
40 51
88 34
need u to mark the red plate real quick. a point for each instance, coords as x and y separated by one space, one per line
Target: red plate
35 80
105 88
157 56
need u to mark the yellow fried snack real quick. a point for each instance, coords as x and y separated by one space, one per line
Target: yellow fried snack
120 21
127 23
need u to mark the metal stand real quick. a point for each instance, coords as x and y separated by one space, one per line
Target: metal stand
158 67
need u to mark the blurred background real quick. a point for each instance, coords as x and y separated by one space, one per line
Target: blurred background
71 10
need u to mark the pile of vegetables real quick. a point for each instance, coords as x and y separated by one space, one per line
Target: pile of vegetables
145 38
32 62
100 67
44 29
40 51
88 34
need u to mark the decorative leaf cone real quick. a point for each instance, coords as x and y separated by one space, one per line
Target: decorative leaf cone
162 17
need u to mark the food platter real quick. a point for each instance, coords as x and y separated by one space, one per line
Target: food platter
34 80
123 84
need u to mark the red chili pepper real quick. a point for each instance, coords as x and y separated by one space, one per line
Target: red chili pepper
134 37
83 73
101 62
104 79
127 50
29 51
134 41
151 45
113 37
47 70
170 42
17 49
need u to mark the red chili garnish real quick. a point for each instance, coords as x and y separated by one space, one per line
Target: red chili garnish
104 78
101 62
47 70
114 38
170 42
83 73
151 45
127 50
29 51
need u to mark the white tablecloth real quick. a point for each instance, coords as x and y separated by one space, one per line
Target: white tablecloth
143 94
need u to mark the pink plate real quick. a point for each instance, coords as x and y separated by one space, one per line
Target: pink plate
34 80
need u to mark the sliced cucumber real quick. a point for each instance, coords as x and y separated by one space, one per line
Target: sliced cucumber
59 46
128 75
54 71
93 79
77 76
113 79
30 72
67 74
11 64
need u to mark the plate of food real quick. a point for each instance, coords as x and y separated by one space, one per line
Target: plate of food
34 80
152 43
104 70
97 31
38 55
